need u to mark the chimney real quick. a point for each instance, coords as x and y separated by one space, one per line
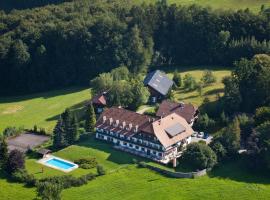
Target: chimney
136 128
149 119
130 126
116 122
111 121
104 119
123 124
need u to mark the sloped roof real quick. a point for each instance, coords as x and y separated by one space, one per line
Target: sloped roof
158 81
169 130
186 111
160 127
99 99
129 117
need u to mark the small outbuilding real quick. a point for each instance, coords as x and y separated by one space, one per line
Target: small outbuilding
159 85
44 152
99 102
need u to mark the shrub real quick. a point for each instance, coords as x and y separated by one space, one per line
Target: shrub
15 161
3 152
100 170
199 156
142 164
49 191
12 131
177 79
219 149
22 176
229 137
208 77
189 82
69 181
86 163
204 123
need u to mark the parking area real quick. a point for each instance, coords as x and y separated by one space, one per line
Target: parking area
26 141
201 136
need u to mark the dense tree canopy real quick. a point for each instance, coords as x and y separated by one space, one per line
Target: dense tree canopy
69 43
249 85
199 156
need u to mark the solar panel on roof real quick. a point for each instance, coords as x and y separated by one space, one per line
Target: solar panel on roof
175 129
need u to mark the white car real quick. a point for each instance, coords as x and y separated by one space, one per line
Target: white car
200 135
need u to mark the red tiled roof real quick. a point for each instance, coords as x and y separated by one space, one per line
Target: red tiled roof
143 122
99 99
186 111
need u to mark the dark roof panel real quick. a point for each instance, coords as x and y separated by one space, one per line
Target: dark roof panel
159 81
175 129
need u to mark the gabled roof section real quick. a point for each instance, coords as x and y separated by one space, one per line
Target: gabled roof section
171 129
99 99
129 118
158 81
187 111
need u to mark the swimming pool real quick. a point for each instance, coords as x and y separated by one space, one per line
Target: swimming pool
58 163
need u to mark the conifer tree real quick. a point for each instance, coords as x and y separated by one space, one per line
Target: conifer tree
74 132
58 134
3 152
90 120
68 129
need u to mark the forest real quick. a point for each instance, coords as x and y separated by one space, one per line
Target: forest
68 44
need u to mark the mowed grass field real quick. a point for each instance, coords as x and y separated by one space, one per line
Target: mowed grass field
254 5
41 109
125 180
210 91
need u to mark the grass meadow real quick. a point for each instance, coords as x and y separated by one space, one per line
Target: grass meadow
40 109
253 5
125 180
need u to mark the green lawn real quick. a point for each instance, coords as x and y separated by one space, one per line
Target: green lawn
41 109
124 179
210 91
253 5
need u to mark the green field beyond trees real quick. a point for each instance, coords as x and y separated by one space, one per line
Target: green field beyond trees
43 109
40 109
254 5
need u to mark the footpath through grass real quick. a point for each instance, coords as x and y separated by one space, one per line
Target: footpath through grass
41 109
253 5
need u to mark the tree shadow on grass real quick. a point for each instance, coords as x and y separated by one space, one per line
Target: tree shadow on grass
237 170
78 109
45 95
116 156
215 91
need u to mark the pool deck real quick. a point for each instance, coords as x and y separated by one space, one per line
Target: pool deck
44 160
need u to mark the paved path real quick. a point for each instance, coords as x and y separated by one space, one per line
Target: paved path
141 111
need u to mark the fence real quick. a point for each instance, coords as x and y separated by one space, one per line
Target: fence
175 174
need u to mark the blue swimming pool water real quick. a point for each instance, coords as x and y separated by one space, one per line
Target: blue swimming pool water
60 163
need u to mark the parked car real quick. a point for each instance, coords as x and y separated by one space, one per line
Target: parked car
194 134
200 135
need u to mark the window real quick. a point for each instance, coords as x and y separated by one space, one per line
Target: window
160 154
130 145
143 149
154 152
125 143
136 147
